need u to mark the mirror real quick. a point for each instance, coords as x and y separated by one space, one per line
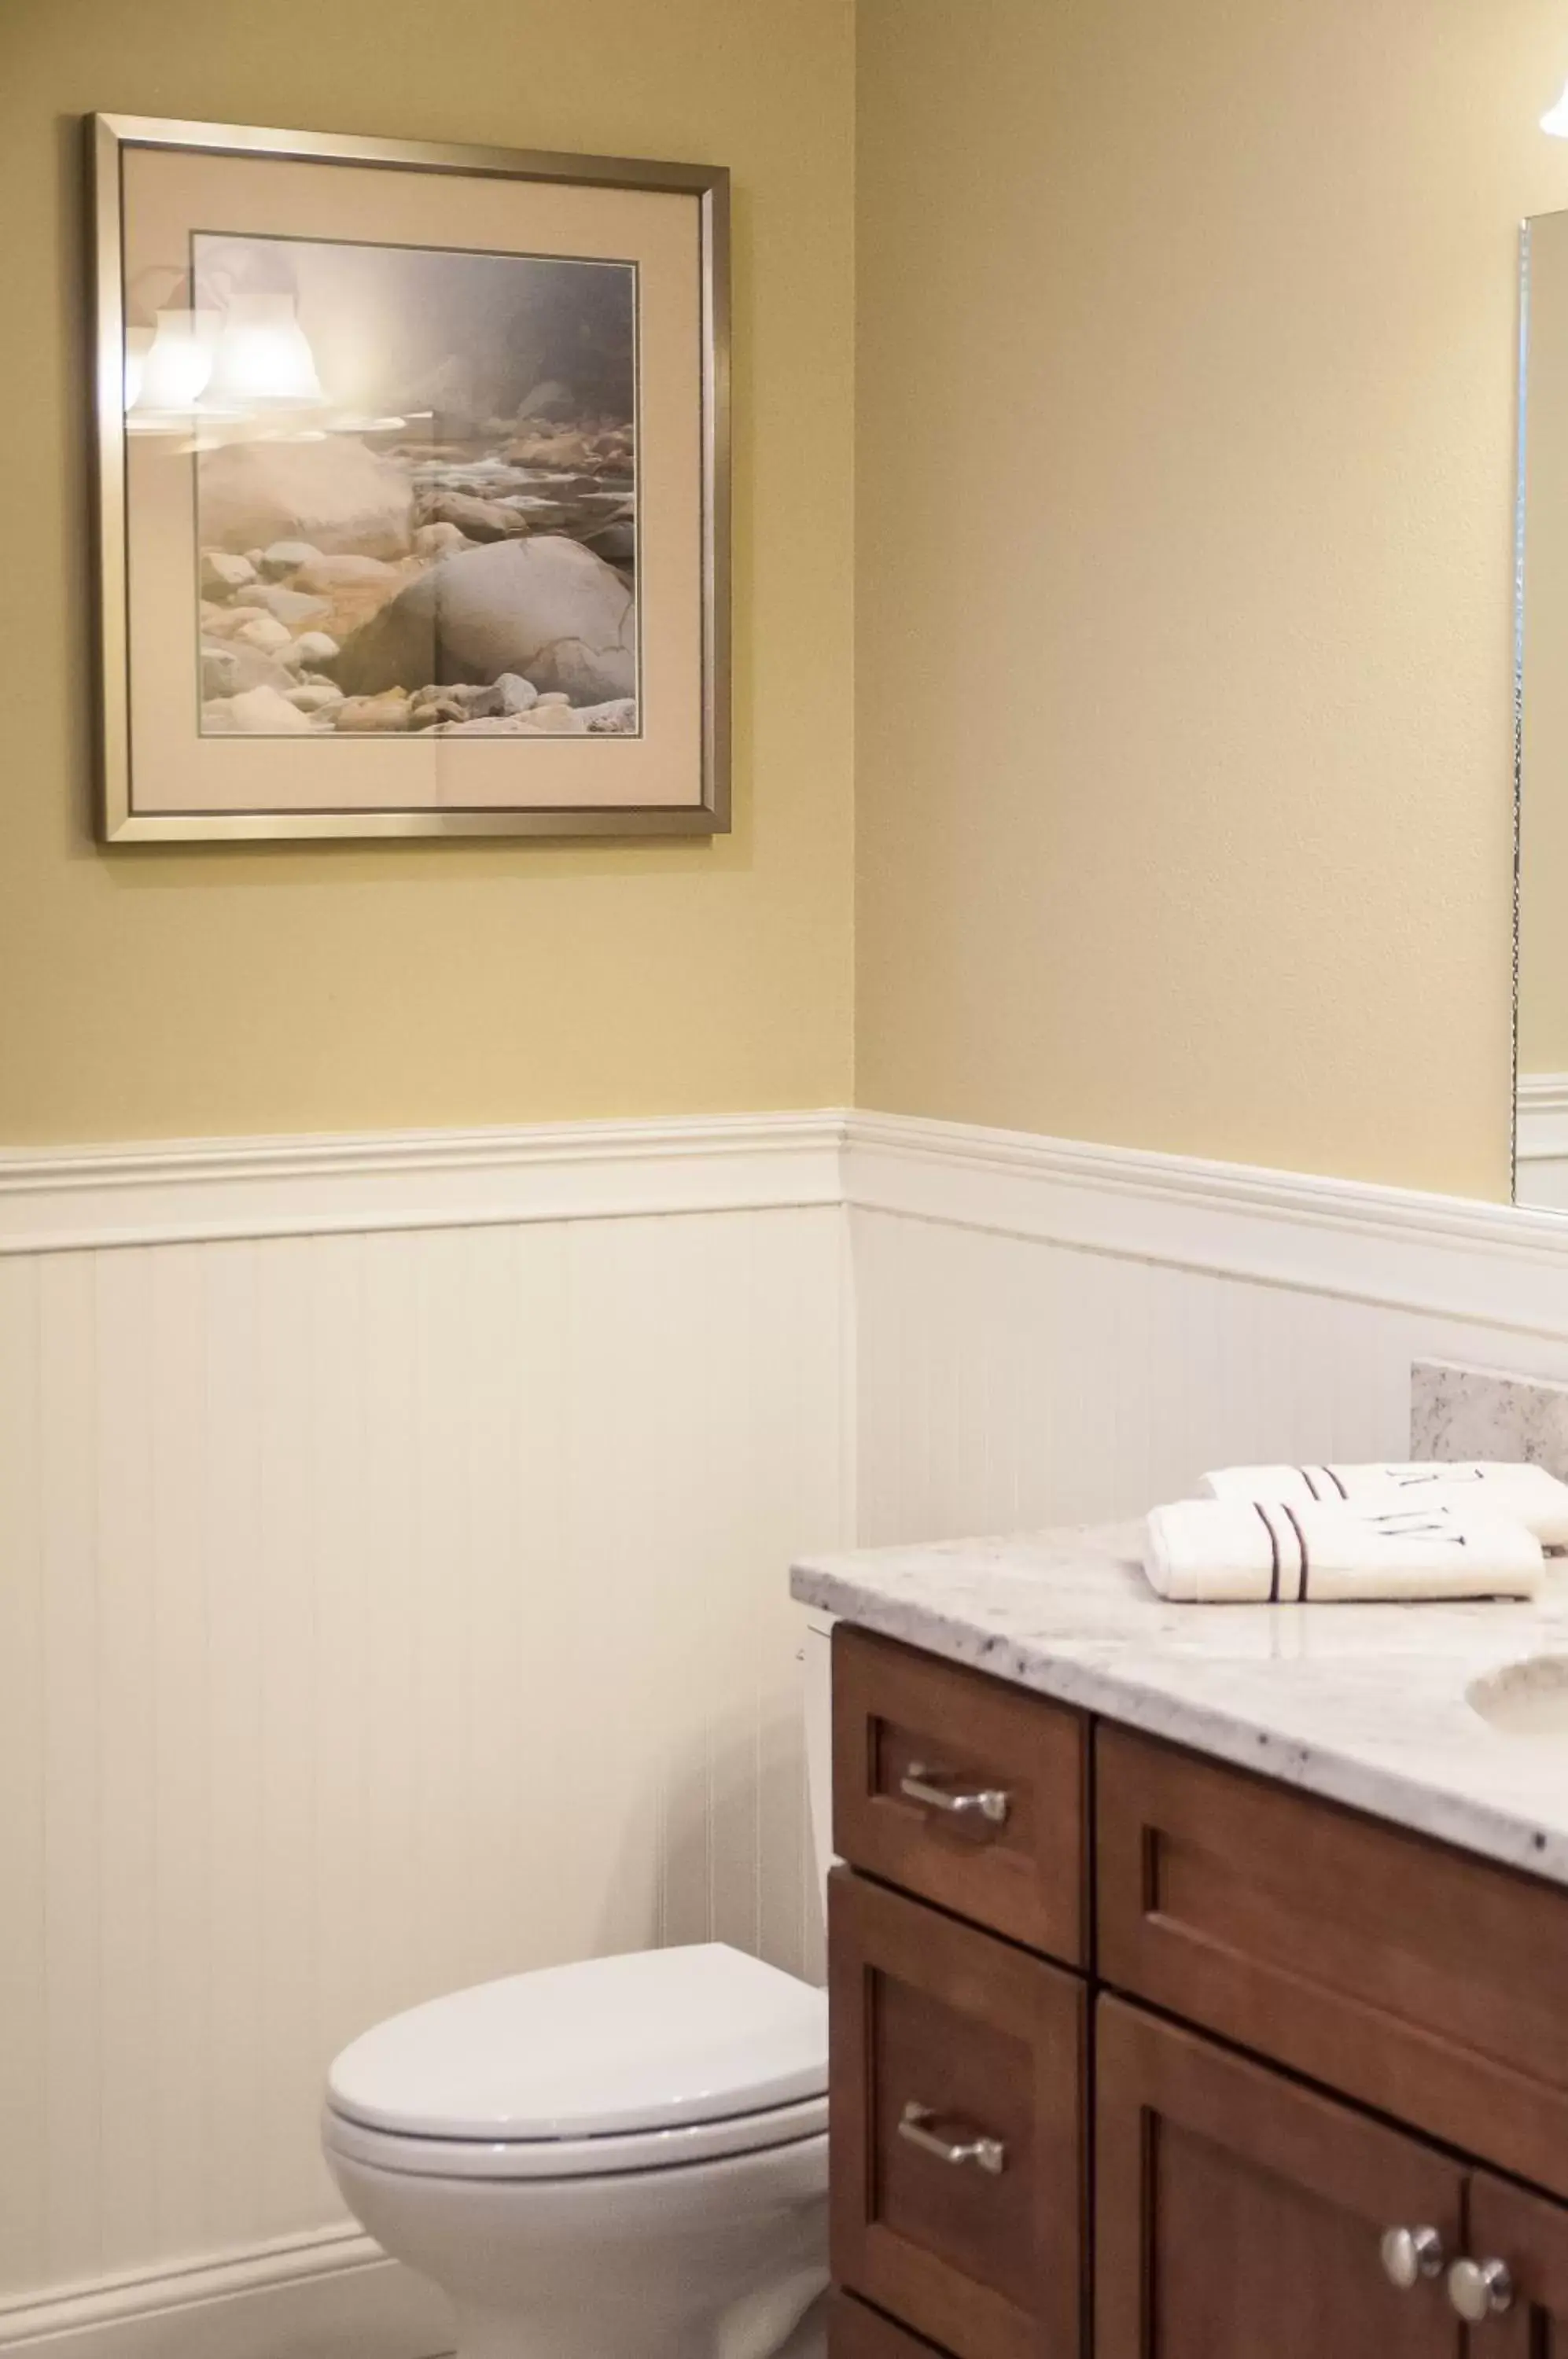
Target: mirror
1540 1130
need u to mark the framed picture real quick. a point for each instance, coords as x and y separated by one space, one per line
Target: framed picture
411 488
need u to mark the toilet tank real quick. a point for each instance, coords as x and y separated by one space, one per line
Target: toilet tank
818 1658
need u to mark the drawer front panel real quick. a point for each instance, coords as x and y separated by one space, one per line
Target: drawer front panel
957 2127
963 1790
1425 1983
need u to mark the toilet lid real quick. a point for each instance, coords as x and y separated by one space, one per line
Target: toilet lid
640 2042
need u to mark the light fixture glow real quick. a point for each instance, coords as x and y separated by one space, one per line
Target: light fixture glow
173 372
264 358
137 342
1555 119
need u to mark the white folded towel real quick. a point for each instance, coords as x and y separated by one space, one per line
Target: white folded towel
1526 1495
1258 1552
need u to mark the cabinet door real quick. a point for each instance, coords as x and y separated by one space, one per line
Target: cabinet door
1240 2214
957 2127
857 2333
1530 2237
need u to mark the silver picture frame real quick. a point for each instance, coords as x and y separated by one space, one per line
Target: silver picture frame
109 139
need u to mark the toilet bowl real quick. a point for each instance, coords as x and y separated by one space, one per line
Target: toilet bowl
624 2158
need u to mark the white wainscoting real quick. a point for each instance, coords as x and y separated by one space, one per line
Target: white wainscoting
1049 1333
392 1594
392 1548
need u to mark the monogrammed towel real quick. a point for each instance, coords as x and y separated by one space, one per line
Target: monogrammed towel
1525 1495
1283 1552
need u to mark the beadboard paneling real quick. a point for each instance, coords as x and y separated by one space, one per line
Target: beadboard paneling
381 1611
392 1547
1006 1380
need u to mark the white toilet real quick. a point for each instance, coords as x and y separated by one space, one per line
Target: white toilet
621 2160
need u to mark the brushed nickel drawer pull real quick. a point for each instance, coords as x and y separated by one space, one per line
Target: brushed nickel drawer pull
988 1803
987 2154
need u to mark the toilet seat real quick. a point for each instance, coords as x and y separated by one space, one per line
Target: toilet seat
611 2156
640 2062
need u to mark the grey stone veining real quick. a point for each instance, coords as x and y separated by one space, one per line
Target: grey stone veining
1471 1413
1364 1704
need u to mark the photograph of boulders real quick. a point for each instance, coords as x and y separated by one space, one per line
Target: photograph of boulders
445 543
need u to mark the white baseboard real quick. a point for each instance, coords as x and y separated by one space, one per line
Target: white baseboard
330 2296
1503 1265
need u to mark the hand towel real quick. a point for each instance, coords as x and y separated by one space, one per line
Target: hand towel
1525 1495
1279 1552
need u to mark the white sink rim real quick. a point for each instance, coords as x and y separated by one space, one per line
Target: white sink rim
1526 1702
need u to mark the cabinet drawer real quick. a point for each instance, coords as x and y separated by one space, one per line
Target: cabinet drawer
1425 1983
857 2333
957 2140
1012 1856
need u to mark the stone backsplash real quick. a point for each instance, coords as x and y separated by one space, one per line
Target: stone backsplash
1473 1413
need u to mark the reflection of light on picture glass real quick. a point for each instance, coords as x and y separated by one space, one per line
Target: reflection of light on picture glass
171 372
136 343
1555 119
250 359
264 356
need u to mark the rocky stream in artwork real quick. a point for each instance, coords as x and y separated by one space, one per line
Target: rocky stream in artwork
478 586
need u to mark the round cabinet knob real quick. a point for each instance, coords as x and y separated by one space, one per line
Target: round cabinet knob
1410 2255
1480 2289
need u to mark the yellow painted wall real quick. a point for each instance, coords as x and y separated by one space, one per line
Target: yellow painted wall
1185 445
1187 354
152 994
1544 899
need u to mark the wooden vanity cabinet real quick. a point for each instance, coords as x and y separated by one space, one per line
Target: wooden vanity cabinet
1271 2030
919 1749
1240 2215
1429 1985
957 2134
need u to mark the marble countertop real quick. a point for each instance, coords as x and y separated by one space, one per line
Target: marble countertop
1365 1704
